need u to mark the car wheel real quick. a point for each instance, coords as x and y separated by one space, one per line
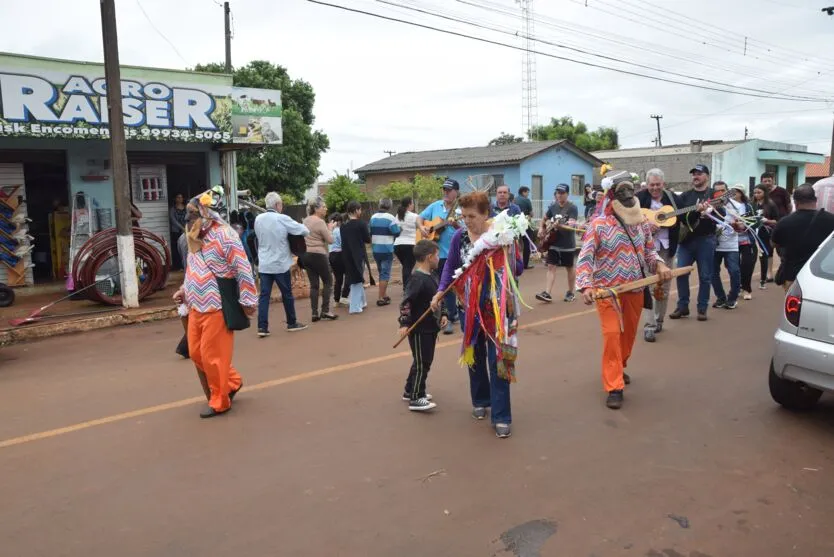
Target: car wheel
791 394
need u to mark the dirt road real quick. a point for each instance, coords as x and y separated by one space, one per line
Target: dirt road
102 452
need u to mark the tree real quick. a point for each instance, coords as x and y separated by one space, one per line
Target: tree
422 190
292 167
340 191
603 138
506 139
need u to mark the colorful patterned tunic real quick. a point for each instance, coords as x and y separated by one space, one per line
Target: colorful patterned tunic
607 258
222 256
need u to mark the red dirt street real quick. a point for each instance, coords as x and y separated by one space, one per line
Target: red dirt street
102 452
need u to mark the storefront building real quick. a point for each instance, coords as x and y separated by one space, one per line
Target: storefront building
183 130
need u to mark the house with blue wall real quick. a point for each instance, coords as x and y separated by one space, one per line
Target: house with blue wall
182 131
540 165
734 162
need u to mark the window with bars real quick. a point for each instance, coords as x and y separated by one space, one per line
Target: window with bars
150 189
577 184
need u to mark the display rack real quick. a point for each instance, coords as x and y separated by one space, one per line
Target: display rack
15 242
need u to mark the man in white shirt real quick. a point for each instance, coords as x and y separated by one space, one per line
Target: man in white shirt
272 230
727 251
654 197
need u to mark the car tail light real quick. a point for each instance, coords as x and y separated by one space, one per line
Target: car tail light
793 304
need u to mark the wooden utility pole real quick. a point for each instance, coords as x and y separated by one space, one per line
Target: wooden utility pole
657 118
118 157
227 12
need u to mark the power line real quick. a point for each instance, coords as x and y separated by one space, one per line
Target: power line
635 44
138 3
589 53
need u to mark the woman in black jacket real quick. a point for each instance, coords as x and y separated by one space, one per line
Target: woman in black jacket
769 213
355 237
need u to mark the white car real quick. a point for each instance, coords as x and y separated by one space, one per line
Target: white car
802 367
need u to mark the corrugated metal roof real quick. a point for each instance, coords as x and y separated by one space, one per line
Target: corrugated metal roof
680 149
469 156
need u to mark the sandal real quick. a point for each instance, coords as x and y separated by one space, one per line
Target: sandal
383 302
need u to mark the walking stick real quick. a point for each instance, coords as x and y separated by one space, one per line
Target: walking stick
425 314
638 284
370 274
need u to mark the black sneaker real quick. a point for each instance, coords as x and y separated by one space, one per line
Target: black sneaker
421 405
614 400
263 333
407 397
719 304
295 327
329 316
315 319
569 296
702 316
731 305
544 297
626 378
678 313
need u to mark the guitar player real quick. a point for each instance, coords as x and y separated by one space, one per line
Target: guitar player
654 197
440 209
563 251
697 244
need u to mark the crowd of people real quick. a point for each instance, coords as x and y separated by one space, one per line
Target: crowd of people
624 239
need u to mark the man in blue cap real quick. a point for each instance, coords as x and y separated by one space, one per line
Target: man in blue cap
447 210
697 244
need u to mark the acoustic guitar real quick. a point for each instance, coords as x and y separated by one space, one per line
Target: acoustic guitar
667 216
551 231
437 225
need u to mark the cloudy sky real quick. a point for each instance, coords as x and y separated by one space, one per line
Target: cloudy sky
382 85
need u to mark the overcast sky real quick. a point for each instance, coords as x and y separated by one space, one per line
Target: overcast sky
382 85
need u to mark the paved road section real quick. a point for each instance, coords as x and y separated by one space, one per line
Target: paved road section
102 452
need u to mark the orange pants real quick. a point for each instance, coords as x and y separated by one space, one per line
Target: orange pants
210 345
616 344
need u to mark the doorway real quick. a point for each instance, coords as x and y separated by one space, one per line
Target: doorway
792 179
47 197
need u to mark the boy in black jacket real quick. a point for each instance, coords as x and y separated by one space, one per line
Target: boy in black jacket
418 295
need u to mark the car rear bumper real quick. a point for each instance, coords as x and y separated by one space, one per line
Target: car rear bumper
802 359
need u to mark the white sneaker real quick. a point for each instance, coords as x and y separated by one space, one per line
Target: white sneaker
407 398
747 296
345 302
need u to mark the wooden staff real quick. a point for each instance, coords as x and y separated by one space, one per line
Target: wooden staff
425 314
638 284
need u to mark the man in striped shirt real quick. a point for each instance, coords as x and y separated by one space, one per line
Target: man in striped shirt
384 230
214 253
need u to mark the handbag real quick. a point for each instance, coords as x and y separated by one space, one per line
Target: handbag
233 314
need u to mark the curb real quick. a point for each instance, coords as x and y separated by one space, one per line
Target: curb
37 332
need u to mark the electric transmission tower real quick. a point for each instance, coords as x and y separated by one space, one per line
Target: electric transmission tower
529 89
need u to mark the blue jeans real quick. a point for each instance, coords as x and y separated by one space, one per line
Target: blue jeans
284 283
732 261
450 300
699 250
486 388
357 298
384 261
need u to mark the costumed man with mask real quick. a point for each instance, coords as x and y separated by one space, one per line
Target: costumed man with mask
617 248
218 278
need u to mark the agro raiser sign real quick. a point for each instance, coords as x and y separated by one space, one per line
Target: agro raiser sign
52 104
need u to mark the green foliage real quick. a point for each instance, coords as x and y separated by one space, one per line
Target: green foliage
340 191
601 139
506 139
422 189
292 167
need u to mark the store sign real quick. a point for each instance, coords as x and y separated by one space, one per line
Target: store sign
75 107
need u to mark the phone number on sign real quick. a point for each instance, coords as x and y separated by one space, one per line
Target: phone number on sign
182 134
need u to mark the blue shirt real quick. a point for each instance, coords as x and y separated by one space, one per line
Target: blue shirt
337 240
438 209
272 229
512 210
384 230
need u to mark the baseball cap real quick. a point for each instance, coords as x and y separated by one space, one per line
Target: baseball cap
700 168
450 184
562 188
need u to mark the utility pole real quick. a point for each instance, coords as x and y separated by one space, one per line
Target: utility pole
745 133
118 157
390 153
657 118
227 12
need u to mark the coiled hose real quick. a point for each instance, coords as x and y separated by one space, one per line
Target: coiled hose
98 259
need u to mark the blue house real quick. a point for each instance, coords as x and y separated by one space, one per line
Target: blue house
540 165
